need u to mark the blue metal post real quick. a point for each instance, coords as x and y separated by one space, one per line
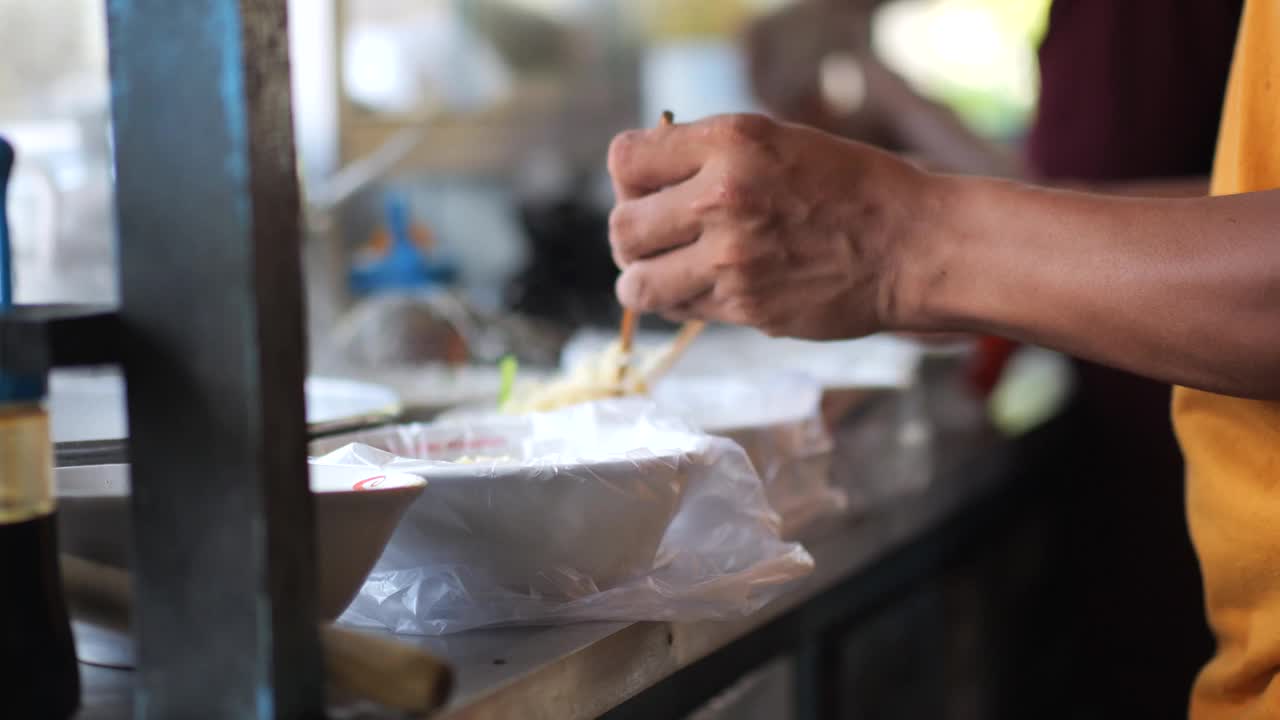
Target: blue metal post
6 258
212 348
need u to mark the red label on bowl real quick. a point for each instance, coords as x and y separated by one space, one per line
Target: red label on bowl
369 483
462 444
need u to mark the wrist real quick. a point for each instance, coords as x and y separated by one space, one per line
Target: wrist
923 256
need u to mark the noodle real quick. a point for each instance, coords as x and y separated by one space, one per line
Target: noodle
595 378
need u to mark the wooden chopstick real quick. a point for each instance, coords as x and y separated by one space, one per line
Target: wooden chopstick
688 333
627 332
626 337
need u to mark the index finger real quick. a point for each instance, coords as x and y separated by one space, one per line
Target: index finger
643 161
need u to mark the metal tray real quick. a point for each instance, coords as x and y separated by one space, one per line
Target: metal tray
90 426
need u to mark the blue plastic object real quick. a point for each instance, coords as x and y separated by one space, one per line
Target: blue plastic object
404 266
6 260
22 389
14 387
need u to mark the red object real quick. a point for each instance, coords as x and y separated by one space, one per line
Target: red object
988 363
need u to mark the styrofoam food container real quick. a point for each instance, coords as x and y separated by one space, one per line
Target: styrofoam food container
355 514
555 522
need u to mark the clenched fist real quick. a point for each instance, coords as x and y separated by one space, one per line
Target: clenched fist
743 220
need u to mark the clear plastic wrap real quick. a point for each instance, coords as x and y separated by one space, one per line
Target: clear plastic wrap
434 327
777 419
604 511
876 361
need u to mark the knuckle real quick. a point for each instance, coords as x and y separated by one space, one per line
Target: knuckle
738 252
745 308
622 224
635 291
622 151
734 253
624 288
624 233
619 260
744 129
729 192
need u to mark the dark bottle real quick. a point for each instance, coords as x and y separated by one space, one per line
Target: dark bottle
38 673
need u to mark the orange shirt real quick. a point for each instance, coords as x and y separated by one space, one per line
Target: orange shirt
1232 446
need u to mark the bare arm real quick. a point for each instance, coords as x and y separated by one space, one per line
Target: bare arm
1180 187
796 232
1186 291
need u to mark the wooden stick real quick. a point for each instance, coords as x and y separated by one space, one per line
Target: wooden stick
627 332
101 594
688 333
626 336
390 673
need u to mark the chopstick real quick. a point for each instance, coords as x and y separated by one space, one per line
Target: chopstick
627 332
626 336
688 333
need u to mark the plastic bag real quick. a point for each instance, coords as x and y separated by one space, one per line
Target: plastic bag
876 361
604 511
777 419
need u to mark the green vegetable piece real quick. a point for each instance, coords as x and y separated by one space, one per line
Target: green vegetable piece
507 366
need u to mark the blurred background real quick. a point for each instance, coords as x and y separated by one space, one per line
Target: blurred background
452 154
474 132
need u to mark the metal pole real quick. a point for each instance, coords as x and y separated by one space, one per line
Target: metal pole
212 348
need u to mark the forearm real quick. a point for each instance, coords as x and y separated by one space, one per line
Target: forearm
1186 291
1180 187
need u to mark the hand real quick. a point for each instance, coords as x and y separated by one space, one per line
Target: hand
743 220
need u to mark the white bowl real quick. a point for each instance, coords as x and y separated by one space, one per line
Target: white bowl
775 417
356 512
557 524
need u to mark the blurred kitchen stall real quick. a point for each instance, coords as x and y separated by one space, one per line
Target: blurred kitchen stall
485 123
53 109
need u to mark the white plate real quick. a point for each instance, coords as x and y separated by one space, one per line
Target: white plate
426 390
876 361
89 406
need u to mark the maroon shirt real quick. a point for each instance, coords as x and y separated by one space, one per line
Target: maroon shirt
1132 88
